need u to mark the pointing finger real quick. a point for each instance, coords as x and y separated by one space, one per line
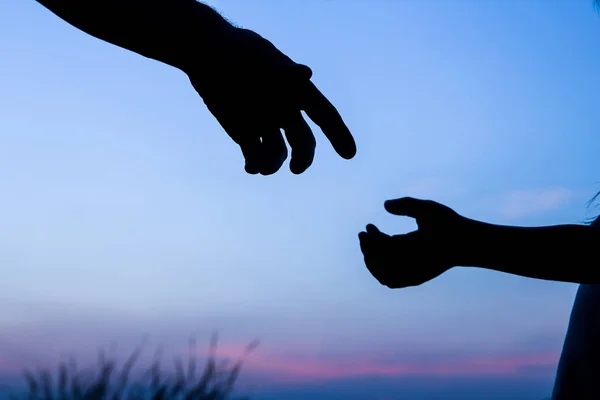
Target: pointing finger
326 116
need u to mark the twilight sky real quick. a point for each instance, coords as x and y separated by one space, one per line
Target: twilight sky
125 209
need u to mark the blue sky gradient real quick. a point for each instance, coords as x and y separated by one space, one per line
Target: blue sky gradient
126 211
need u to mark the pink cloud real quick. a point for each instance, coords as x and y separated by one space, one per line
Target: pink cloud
7 365
277 365
282 368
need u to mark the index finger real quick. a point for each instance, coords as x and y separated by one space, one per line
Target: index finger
326 116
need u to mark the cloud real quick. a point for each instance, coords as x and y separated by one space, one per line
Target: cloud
278 368
521 203
284 363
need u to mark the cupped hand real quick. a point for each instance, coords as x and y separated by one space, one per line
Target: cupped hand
414 258
255 91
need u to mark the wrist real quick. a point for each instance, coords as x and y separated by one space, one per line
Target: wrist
470 244
199 37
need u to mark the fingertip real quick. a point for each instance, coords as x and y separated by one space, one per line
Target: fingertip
272 165
304 71
269 171
298 167
350 152
372 229
342 141
392 205
406 206
363 240
251 168
389 203
298 172
252 159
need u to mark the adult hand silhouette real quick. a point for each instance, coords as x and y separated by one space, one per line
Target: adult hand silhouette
252 88
414 258
254 91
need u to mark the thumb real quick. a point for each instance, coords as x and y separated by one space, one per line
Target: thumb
303 72
408 207
293 73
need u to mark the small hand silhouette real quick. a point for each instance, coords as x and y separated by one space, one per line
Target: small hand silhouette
254 91
414 258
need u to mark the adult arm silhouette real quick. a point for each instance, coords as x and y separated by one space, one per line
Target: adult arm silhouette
252 88
445 239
